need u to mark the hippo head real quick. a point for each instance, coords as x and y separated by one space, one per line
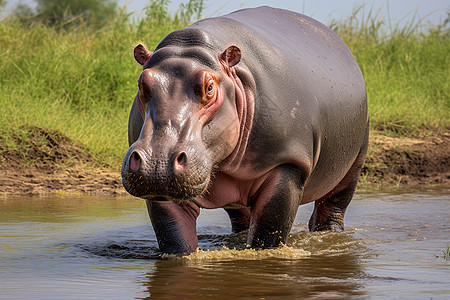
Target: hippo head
186 99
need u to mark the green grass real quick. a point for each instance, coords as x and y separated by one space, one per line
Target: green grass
66 81
81 80
407 71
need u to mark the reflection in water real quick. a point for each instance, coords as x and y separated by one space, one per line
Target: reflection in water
233 275
91 248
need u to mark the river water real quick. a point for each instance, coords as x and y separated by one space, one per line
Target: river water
104 248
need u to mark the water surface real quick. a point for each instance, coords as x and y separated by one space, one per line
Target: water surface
105 248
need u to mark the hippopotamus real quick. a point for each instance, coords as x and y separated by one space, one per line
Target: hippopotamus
256 112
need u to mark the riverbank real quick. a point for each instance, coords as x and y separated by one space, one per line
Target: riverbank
407 161
53 164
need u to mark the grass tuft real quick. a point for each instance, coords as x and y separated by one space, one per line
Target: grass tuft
445 254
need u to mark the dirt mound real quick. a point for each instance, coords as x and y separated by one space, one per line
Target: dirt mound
41 148
37 161
408 161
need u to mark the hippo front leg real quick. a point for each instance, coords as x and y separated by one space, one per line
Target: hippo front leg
174 225
273 211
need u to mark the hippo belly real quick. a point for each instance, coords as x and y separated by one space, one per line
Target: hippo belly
256 112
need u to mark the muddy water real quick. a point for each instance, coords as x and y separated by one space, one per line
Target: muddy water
104 248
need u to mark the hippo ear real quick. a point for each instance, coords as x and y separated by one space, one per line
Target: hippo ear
141 54
231 56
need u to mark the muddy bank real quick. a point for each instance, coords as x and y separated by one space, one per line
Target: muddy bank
411 161
46 162
38 161
68 181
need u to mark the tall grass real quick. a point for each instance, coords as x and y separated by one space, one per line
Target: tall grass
406 69
81 80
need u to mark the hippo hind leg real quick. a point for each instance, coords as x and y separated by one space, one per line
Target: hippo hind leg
329 211
239 218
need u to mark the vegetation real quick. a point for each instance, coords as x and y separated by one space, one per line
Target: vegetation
445 254
406 70
66 12
81 79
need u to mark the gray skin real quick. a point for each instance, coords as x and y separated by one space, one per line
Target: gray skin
257 112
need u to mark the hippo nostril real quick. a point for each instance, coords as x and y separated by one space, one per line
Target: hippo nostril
179 163
135 162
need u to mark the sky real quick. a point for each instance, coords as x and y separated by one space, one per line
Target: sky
400 11
429 11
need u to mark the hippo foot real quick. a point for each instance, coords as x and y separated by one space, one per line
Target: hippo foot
335 223
329 212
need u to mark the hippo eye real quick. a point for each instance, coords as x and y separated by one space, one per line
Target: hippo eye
207 87
209 93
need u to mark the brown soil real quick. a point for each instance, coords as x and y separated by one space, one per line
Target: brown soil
46 162
408 161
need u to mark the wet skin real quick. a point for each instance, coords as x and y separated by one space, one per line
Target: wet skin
257 112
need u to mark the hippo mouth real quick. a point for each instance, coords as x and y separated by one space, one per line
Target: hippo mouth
172 190
177 193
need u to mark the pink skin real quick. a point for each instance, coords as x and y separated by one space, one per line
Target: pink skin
135 163
179 163
236 182
245 109
231 186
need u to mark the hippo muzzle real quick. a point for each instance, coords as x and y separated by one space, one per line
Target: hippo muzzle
177 175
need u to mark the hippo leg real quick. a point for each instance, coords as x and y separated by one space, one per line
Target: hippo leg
174 225
240 219
329 211
274 210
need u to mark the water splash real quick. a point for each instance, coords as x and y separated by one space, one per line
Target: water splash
224 253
